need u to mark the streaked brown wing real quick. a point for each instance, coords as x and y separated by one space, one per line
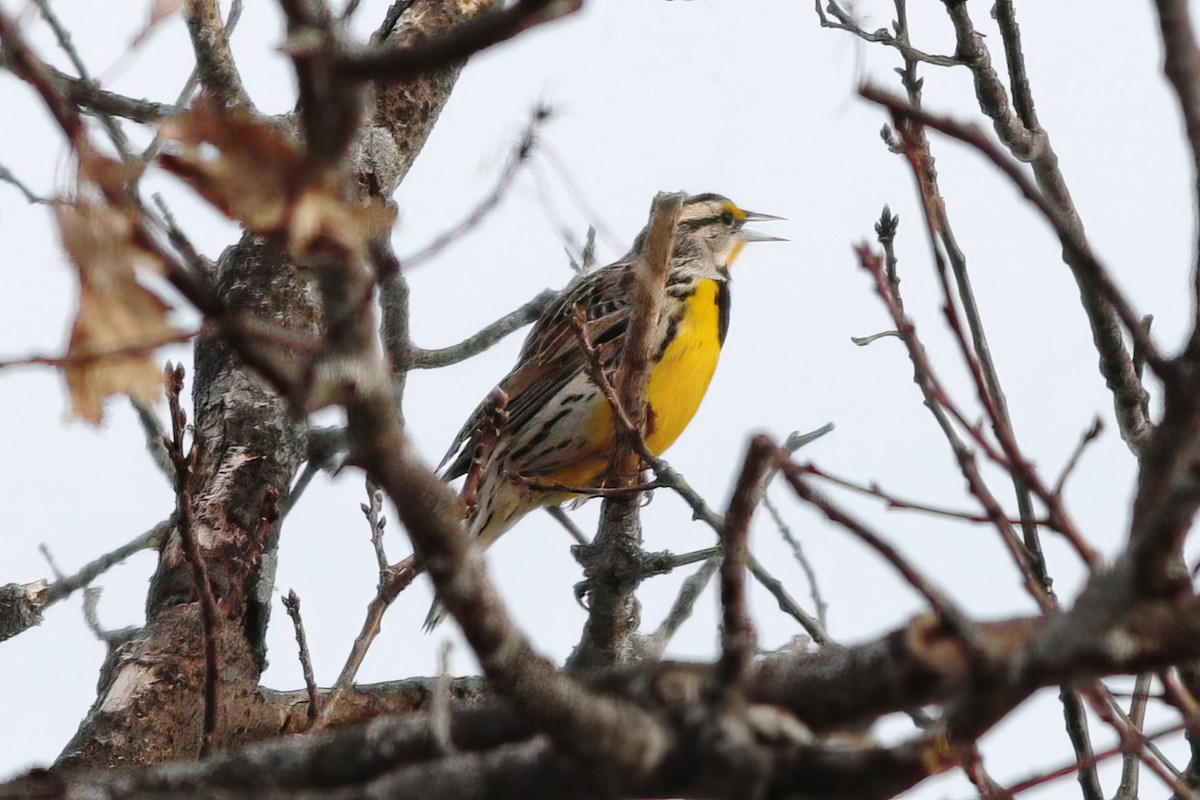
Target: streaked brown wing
551 356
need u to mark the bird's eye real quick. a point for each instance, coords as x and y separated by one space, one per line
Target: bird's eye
727 218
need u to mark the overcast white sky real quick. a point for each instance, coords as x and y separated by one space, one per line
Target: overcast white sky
750 99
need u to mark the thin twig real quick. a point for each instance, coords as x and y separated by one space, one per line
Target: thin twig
941 603
6 176
938 403
1181 64
392 581
524 148
189 86
1132 739
815 628
377 522
892 501
64 587
568 524
943 242
984 783
153 431
86 358
291 602
681 609
1088 437
65 43
1117 365
1042 778
1076 721
794 442
396 580
863 341
1128 789
798 553
475 344
191 548
846 22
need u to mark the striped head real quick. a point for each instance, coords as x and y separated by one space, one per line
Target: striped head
712 229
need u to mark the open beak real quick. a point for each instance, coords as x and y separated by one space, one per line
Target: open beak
751 235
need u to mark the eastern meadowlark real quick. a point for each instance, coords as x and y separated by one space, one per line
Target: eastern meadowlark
558 427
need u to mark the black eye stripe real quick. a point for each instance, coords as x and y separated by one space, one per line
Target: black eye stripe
697 224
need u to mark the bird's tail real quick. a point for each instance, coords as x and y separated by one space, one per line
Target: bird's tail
500 509
437 613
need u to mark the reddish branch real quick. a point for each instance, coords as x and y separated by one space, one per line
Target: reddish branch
1101 297
291 602
941 603
209 615
938 402
737 632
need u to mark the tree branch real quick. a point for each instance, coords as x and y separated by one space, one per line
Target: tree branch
379 63
214 60
611 564
476 343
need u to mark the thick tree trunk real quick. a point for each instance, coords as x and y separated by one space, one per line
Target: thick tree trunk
150 703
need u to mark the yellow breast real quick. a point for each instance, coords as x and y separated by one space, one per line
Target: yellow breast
677 386
681 377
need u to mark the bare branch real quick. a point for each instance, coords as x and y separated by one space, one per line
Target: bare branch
1128 789
6 176
1182 67
681 609
183 522
846 22
1042 778
1088 437
291 602
377 522
1081 741
524 148
737 633
79 359
892 501
1027 141
390 19
938 601
568 524
153 431
380 63
815 628
939 405
214 60
63 36
64 587
611 563
477 343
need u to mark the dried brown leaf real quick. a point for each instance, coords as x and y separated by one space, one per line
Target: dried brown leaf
253 173
243 166
159 10
324 224
119 321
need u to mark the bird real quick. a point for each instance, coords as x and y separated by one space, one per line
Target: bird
555 426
